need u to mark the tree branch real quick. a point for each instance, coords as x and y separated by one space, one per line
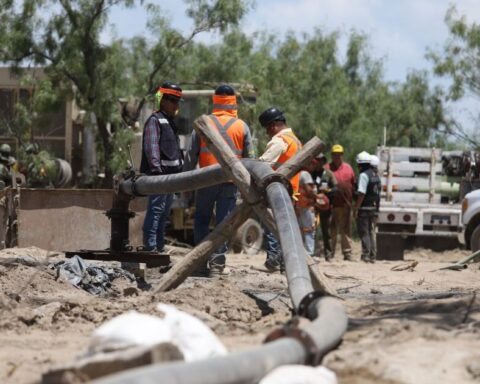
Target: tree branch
70 13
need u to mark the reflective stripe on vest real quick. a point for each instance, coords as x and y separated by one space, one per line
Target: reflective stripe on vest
171 157
224 102
233 127
171 163
224 107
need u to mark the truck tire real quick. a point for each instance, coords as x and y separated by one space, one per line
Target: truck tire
249 238
475 239
389 246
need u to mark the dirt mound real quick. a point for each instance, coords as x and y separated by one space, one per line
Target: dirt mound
219 299
403 322
32 294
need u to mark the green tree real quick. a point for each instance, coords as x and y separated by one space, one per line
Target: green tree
64 37
344 100
459 61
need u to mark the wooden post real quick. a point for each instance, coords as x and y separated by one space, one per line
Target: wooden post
231 165
302 158
199 255
234 168
223 231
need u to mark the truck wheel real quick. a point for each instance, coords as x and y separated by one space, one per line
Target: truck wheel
390 247
475 239
249 238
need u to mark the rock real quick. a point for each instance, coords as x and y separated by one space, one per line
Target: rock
102 364
130 291
474 370
44 315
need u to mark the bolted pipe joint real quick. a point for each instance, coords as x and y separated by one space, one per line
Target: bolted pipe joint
294 330
307 306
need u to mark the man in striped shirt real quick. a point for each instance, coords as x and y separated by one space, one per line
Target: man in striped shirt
161 155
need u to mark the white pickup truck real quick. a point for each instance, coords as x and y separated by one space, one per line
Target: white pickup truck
471 220
419 203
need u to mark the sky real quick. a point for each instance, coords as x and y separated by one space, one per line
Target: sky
400 32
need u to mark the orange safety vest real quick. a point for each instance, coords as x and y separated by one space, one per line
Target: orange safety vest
294 145
224 117
303 200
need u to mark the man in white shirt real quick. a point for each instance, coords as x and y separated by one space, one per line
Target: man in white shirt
283 145
366 206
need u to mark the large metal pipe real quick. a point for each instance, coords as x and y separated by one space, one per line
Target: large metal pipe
177 182
294 254
241 367
296 344
188 181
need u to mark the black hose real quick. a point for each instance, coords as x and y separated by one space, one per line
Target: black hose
236 368
296 345
294 254
177 182
313 341
329 324
188 181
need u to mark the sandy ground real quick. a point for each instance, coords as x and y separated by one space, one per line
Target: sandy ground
410 326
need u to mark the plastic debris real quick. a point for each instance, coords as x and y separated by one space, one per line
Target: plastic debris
92 278
132 329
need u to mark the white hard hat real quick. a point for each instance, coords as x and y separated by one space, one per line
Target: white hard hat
363 158
374 161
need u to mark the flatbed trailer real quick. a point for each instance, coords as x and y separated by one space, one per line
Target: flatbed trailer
419 203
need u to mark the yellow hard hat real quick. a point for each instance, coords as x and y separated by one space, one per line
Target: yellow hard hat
337 148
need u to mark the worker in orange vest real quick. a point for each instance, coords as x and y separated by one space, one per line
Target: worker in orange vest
305 210
282 146
222 197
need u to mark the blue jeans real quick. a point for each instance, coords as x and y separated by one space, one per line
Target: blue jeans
274 251
158 214
306 222
222 197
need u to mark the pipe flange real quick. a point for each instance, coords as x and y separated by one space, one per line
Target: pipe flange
118 213
305 303
314 355
134 188
276 178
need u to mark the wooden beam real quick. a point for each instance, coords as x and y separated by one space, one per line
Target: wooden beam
106 363
199 255
235 169
302 158
231 165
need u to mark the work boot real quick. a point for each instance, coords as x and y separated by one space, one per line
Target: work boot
217 272
272 266
203 271
365 259
347 257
